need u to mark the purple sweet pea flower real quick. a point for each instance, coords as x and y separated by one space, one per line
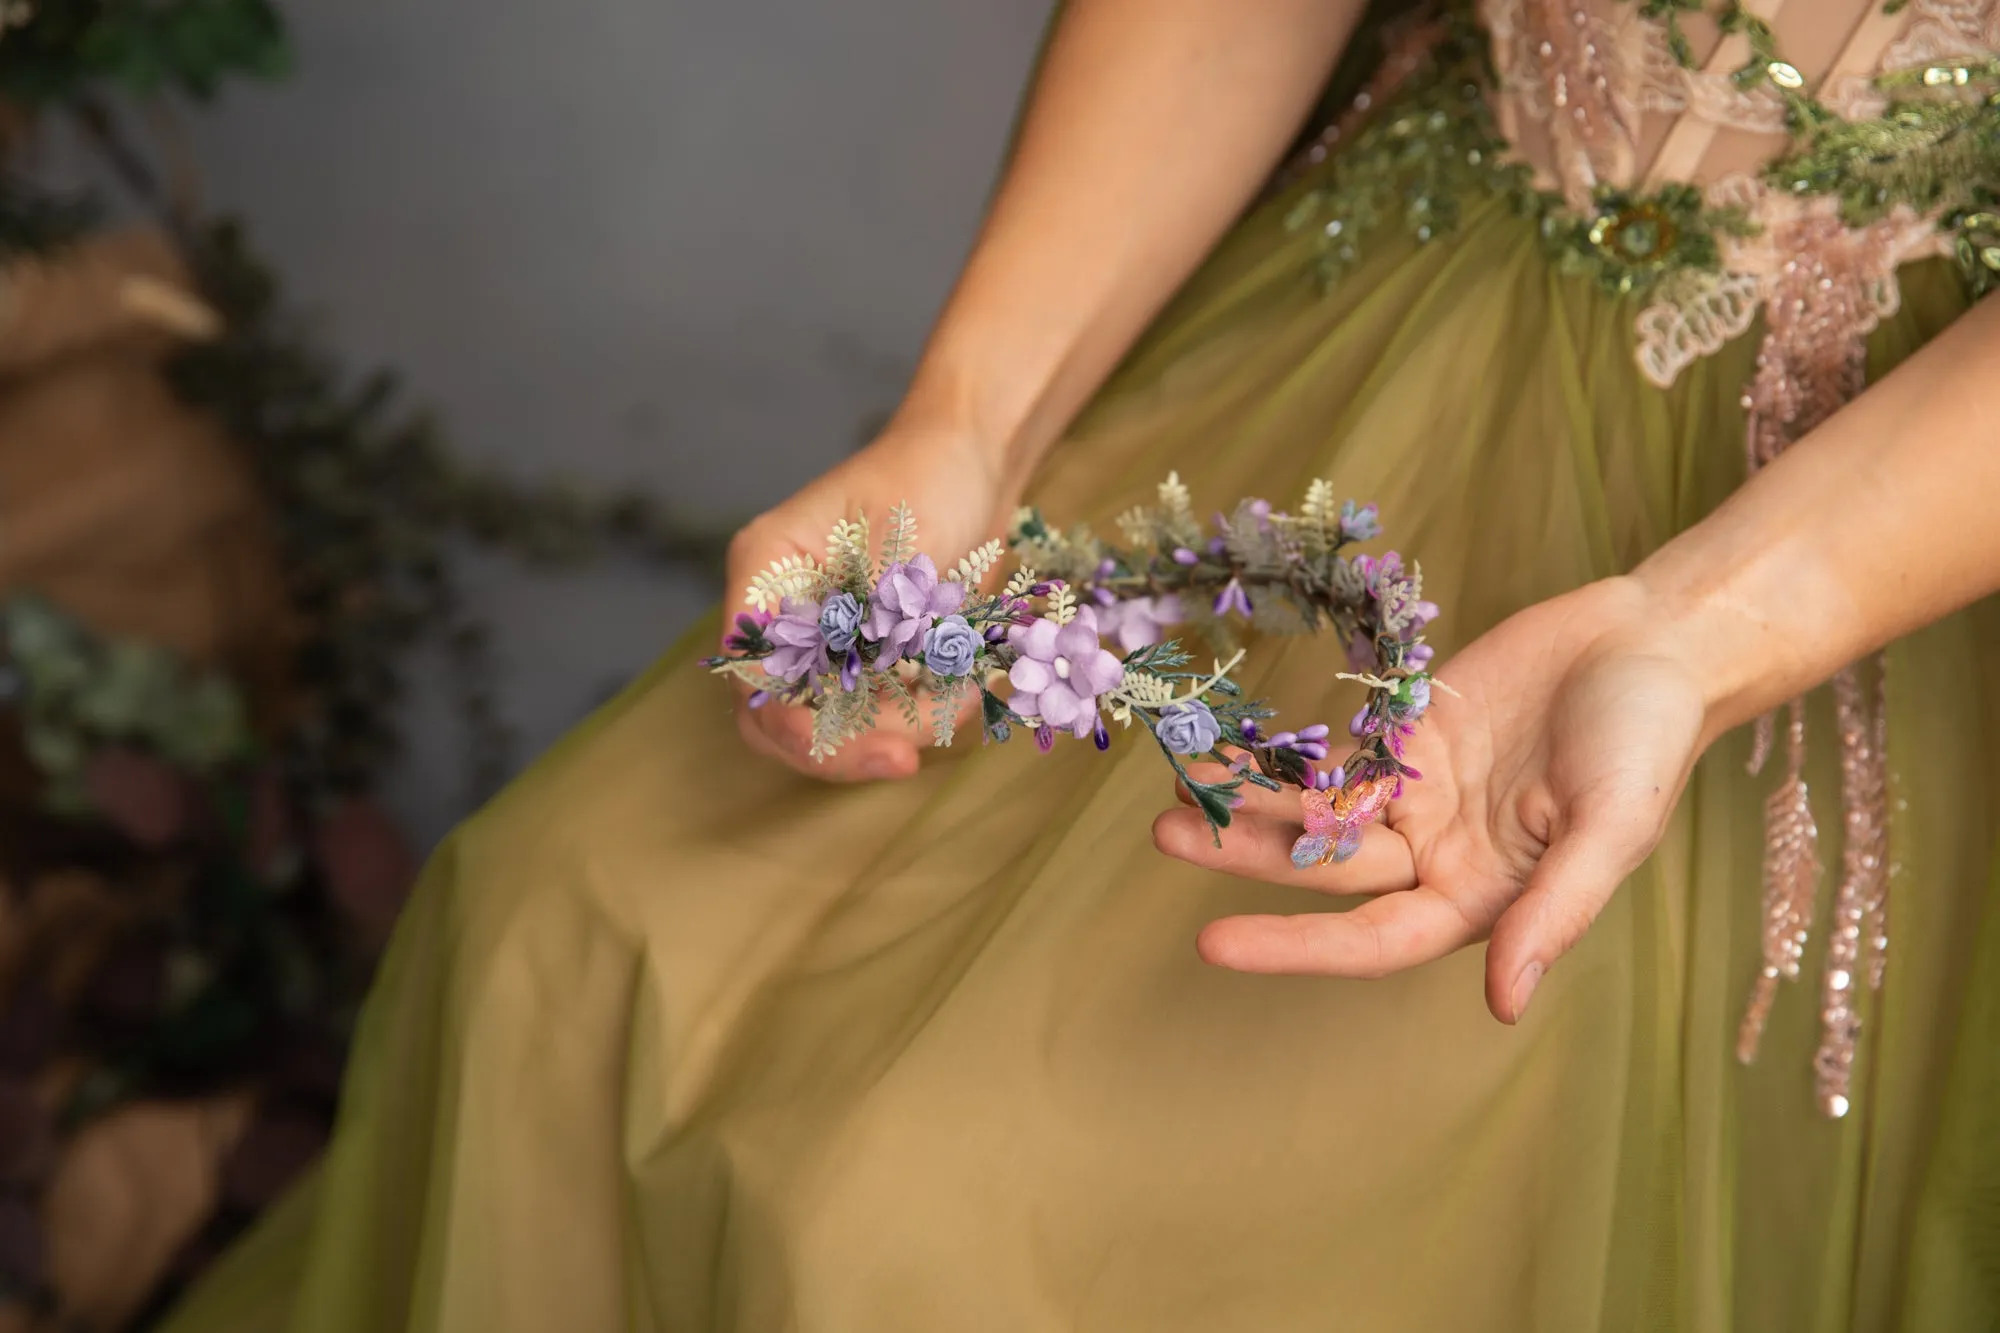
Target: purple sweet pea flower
800 650
905 601
1061 671
1139 622
1233 598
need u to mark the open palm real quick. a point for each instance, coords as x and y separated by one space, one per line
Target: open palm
1548 778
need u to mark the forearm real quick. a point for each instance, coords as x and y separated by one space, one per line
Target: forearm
1884 519
1151 126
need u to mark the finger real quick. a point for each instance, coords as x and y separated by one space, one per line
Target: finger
784 732
1381 936
1259 847
1569 886
1281 804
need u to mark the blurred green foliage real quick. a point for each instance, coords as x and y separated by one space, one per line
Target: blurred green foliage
69 49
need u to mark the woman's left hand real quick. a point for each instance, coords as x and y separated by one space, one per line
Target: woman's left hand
1548 777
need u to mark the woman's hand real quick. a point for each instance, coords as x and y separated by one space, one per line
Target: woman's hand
952 481
1548 778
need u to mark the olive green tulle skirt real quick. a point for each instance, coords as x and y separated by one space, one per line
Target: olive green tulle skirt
673 1040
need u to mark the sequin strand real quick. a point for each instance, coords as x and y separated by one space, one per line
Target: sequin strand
1819 309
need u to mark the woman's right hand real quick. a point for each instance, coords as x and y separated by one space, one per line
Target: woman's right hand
951 480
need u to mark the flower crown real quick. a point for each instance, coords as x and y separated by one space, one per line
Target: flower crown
873 626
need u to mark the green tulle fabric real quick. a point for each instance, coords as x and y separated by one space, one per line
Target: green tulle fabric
651 1053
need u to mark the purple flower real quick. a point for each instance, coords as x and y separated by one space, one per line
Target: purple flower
1183 556
1233 598
905 601
950 648
1188 727
758 698
1100 735
801 647
1411 699
850 670
749 626
840 621
1419 655
1138 622
1061 671
1358 523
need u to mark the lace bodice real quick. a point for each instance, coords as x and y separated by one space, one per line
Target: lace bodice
1596 93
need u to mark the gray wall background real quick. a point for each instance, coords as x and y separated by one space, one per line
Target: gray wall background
692 244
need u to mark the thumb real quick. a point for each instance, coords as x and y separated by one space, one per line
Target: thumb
1590 857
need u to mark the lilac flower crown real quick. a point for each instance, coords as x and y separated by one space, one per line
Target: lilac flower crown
869 627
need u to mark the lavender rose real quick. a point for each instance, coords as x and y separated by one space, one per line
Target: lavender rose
1189 728
840 621
951 646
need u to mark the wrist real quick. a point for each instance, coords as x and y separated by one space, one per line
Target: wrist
976 415
1757 627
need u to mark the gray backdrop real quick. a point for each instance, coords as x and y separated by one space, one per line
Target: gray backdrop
693 244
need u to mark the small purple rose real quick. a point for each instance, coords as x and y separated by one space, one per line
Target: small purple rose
840 621
951 647
1188 727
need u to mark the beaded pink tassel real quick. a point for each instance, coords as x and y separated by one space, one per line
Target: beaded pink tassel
1813 359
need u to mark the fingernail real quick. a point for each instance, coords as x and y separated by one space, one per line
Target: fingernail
1524 988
